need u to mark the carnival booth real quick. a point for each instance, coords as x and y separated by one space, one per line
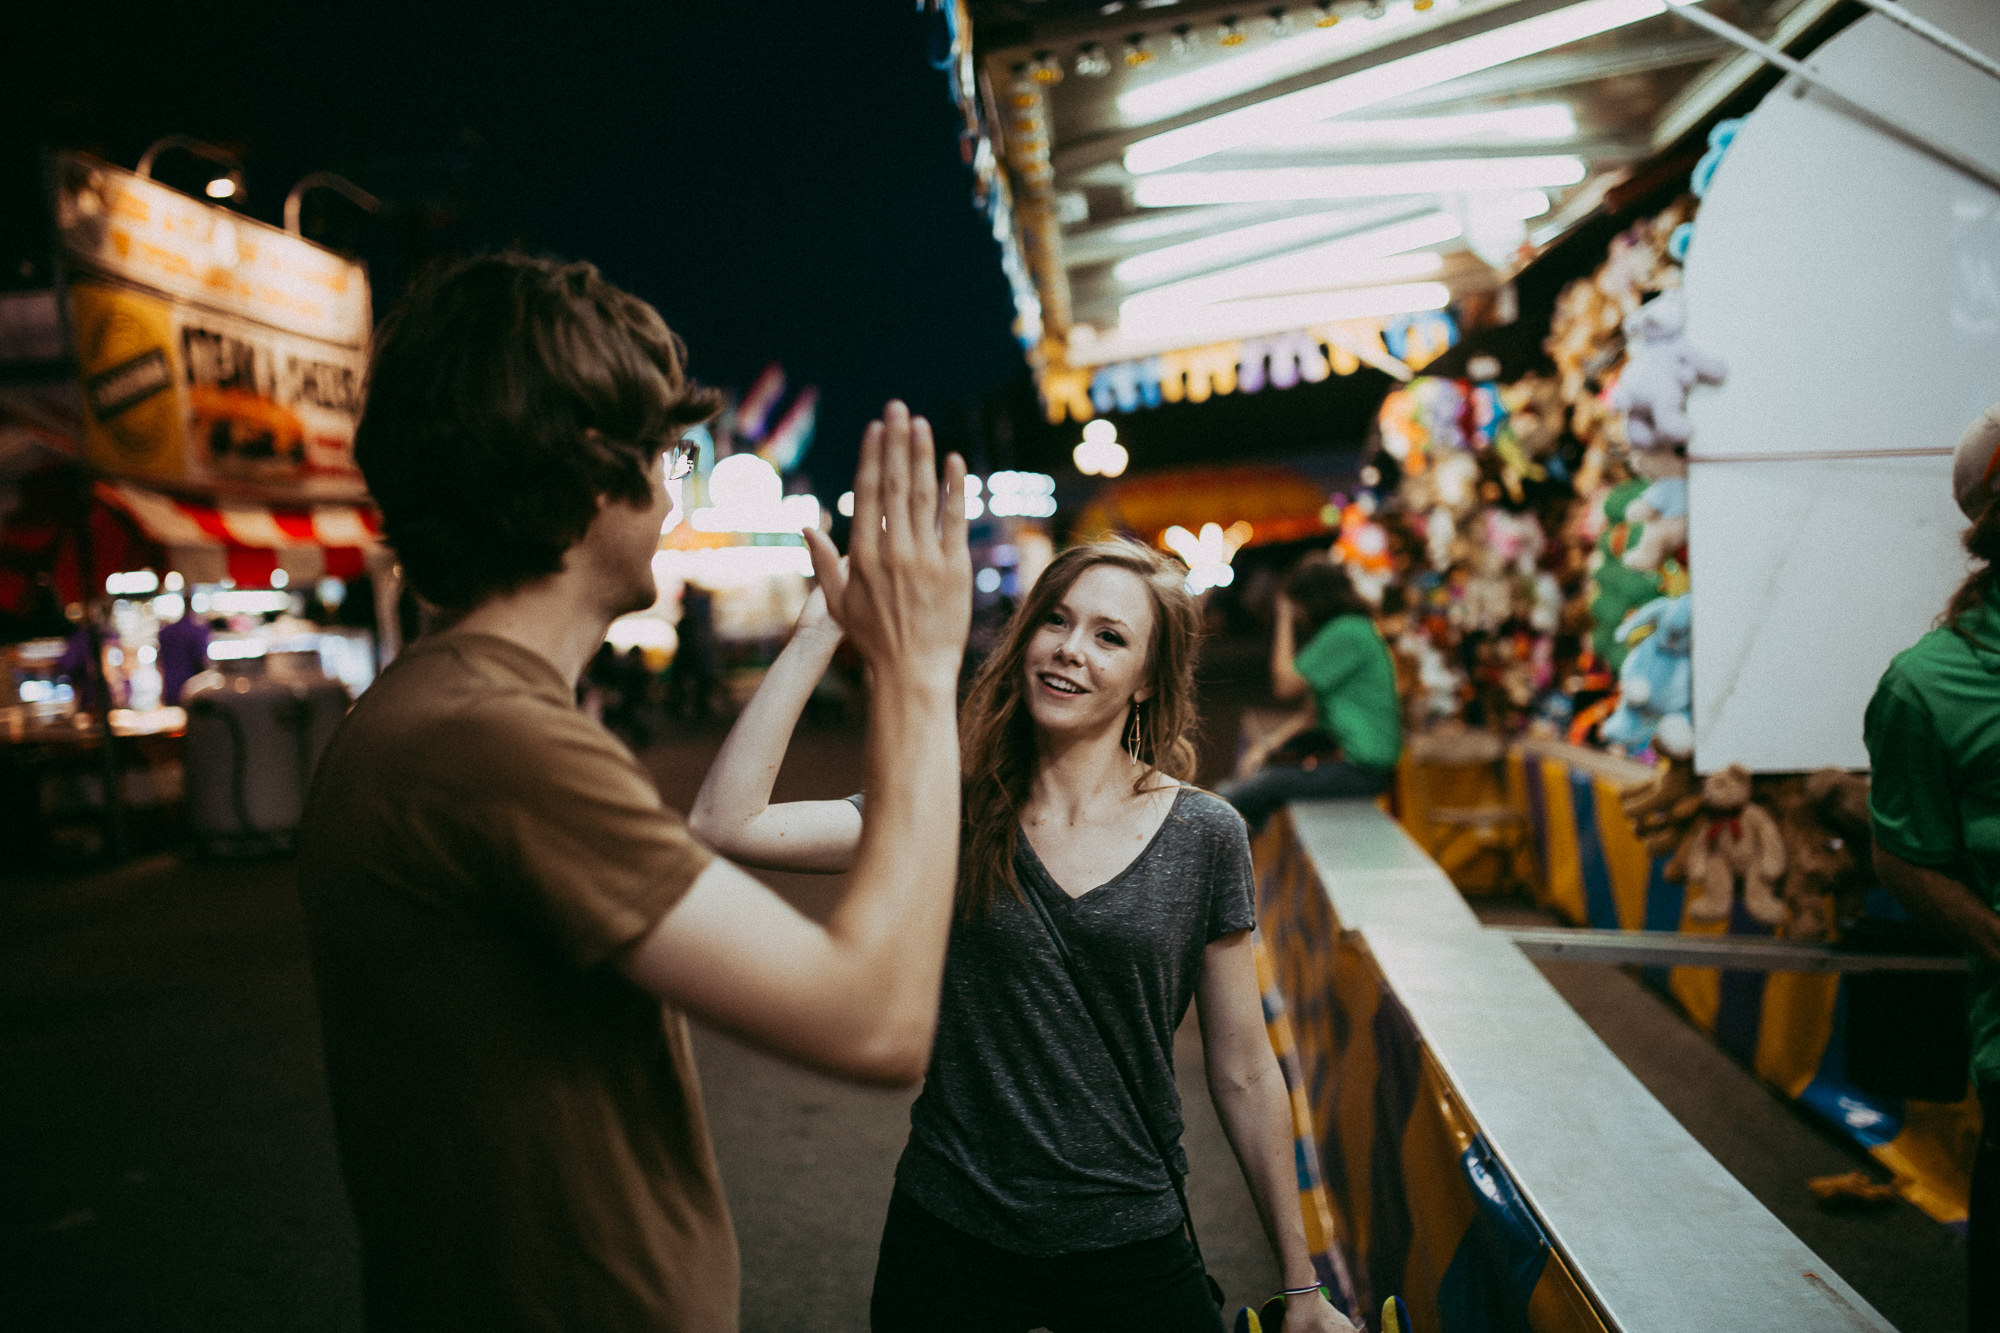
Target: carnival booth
1646 564
181 493
1689 736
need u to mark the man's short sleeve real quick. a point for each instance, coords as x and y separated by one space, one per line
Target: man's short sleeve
583 827
1911 800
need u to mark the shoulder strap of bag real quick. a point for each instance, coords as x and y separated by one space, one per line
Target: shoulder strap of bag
1049 922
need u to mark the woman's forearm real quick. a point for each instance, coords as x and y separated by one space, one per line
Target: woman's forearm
1256 1114
738 787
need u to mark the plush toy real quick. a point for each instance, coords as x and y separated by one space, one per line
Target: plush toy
1662 807
1583 336
1403 435
1545 603
1616 589
1655 682
1517 539
1630 269
1446 494
1734 842
1653 388
1661 509
1719 138
1824 819
1529 432
1440 686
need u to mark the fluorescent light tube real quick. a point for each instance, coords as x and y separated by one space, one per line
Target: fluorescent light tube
1349 261
1361 180
1254 68
1172 261
1275 314
1549 122
1379 83
1202 294
1528 204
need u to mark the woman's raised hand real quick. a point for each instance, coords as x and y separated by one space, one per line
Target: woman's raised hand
830 571
905 594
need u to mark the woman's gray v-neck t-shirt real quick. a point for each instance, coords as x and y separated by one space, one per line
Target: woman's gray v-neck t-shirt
1025 1134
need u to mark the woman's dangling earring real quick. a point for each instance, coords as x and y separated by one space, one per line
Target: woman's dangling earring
1134 734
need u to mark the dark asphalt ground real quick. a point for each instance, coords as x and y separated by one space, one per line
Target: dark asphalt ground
166 1158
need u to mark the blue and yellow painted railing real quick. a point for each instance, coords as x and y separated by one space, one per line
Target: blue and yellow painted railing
1592 869
1479 1151
1429 1216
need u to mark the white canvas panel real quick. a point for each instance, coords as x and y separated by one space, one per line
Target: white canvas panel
1811 576
1852 284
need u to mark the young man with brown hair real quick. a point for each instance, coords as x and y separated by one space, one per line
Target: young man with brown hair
507 925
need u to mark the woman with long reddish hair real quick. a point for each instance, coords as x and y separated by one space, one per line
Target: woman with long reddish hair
1035 1187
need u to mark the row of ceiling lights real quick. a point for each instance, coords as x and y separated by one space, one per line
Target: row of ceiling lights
1483 200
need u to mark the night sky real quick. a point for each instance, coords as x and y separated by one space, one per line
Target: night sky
783 181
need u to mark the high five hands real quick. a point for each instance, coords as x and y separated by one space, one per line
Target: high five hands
904 593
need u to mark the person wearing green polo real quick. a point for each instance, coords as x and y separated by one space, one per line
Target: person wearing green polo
1346 669
1933 735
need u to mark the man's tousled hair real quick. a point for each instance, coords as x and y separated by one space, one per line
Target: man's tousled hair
507 394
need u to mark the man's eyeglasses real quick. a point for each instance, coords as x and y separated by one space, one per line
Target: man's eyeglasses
681 456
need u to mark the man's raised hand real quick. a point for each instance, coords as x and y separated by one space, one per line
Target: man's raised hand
905 598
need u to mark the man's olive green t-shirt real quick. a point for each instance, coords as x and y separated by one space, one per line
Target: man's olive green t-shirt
1933 735
1353 680
520 1126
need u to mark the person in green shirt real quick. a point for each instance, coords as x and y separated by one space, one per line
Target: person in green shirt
1346 670
1933 735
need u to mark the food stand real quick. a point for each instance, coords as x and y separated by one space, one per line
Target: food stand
180 443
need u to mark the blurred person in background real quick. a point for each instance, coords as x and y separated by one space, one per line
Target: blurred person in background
1346 743
183 654
1933 735
1040 1186
82 661
697 665
507 925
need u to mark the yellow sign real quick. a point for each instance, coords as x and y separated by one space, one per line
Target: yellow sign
215 352
177 394
133 414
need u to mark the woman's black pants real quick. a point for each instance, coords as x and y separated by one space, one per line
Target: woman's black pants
933 1278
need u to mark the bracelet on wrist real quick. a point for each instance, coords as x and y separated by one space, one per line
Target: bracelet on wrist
1302 1291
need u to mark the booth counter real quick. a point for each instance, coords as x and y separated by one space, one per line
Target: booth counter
1488 1159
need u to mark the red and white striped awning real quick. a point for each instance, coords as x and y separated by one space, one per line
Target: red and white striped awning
245 541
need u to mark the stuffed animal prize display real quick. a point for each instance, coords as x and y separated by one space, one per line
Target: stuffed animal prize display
1535 534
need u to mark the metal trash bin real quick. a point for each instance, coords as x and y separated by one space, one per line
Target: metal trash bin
256 728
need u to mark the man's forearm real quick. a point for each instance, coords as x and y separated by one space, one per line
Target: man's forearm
1947 905
897 910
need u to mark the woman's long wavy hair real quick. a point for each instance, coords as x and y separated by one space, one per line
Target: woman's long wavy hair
996 733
